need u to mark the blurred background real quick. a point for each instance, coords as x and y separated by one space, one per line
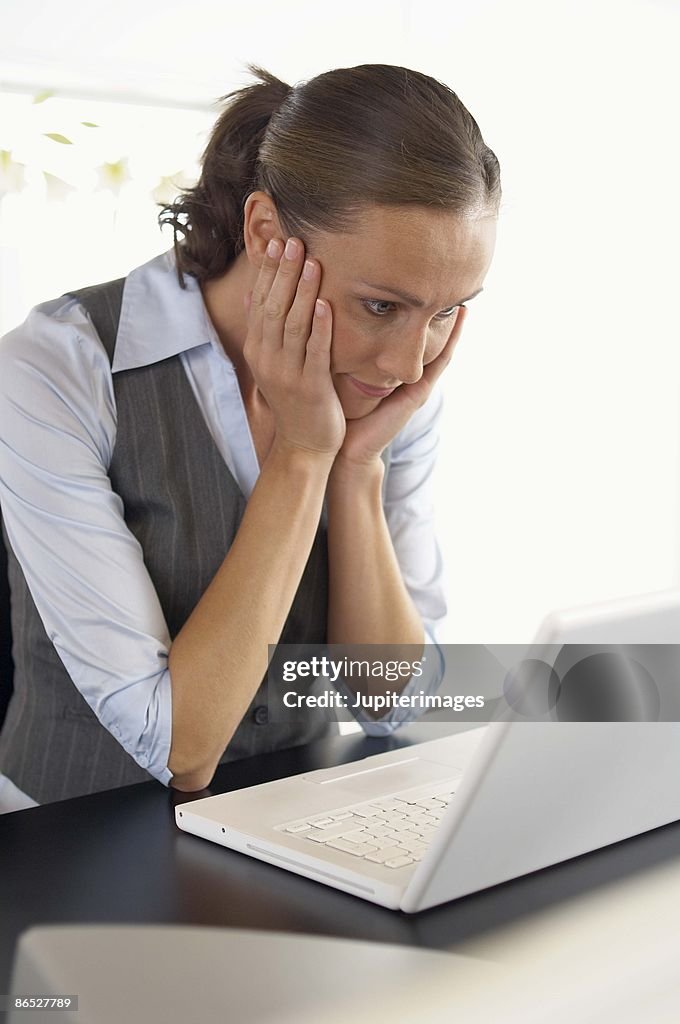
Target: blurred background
559 469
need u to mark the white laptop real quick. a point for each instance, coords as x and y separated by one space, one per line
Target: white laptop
421 825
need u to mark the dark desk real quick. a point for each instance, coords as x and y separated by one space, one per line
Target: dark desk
118 857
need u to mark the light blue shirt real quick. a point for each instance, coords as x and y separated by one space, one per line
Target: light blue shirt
84 568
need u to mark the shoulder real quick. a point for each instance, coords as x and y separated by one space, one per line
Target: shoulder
58 329
54 371
57 343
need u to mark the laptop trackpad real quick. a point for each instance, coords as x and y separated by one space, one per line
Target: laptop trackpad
386 778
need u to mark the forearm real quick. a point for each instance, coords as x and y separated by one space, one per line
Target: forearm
368 600
220 655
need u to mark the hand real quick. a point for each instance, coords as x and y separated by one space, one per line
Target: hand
366 438
288 350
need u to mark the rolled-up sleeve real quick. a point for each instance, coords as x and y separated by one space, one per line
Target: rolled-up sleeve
409 511
83 567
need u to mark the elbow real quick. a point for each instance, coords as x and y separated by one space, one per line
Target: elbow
194 756
198 740
188 775
190 783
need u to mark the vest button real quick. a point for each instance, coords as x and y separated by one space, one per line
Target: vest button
261 715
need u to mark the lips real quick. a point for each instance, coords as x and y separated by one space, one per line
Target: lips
369 389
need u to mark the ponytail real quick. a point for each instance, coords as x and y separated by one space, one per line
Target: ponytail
209 216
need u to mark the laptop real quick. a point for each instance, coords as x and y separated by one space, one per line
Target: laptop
421 825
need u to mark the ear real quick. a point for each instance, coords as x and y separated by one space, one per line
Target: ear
260 225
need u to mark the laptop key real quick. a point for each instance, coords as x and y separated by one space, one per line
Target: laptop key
379 830
385 842
399 862
411 834
342 844
316 835
304 827
391 816
412 844
355 836
355 849
380 856
366 812
429 804
391 804
399 827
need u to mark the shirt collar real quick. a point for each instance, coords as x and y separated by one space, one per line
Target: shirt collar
158 318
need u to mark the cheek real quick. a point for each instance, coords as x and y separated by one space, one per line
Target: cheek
354 346
349 347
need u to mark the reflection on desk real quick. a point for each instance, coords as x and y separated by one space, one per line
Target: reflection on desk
176 975
117 857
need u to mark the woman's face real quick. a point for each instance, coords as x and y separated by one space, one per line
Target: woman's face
437 259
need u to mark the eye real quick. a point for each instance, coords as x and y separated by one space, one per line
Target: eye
371 303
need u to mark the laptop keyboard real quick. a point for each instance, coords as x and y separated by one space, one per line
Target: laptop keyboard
393 831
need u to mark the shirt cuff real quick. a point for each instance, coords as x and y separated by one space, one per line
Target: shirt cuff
151 747
423 685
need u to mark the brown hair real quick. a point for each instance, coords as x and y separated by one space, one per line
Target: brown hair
347 139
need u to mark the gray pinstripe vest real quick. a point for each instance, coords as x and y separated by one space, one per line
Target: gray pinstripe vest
184 507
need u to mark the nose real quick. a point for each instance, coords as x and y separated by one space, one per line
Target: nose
401 358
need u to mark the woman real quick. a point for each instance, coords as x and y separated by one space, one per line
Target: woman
233 446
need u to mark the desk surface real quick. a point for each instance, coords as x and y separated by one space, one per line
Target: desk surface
118 857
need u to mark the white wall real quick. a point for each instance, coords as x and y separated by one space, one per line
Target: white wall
558 477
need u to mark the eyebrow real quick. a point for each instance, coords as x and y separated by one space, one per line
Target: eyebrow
412 300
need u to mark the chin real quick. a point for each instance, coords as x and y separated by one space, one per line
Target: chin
357 408
354 405
354 414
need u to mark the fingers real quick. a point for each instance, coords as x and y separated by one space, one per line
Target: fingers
318 354
283 321
434 369
268 271
301 326
278 317
287 349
